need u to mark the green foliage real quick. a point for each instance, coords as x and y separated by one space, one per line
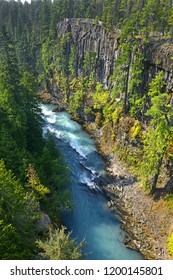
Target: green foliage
136 99
60 246
39 190
23 149
39 18
108 13
120 77
73 61
107 110
89 62
76 104
136 130
79 100
55 176
169 201
100 97
130 27
9 242
151 164
170 245
170 21
18 214
158 133
116 115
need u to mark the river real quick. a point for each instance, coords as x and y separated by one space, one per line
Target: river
90 217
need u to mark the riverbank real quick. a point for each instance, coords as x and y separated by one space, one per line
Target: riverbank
147 221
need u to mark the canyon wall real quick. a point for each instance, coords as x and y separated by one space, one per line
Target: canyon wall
89 35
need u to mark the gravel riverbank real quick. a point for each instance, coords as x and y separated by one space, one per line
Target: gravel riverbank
147 221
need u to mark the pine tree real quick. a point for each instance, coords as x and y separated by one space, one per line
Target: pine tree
60 246
158 133
18 215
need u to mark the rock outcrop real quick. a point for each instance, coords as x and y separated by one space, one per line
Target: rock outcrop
89 35
146 221
159 56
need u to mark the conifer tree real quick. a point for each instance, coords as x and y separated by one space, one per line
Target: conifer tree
158 133
60 246
18 215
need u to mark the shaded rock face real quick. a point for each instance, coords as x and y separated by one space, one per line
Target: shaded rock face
159 56
88 36
44 222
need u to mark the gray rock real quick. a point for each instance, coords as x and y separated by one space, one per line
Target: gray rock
44 222
89 35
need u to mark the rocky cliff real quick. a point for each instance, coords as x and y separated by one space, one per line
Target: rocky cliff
159 56
89 35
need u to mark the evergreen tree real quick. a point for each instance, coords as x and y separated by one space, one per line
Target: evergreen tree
60 246
158 133
18 214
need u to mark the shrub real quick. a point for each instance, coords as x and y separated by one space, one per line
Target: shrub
170 245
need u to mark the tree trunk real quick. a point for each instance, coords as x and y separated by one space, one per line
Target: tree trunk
126 98
154 184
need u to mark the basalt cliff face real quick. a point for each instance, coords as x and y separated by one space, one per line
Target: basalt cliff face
159 56
89 35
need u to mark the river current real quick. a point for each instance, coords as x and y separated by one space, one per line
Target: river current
90 217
